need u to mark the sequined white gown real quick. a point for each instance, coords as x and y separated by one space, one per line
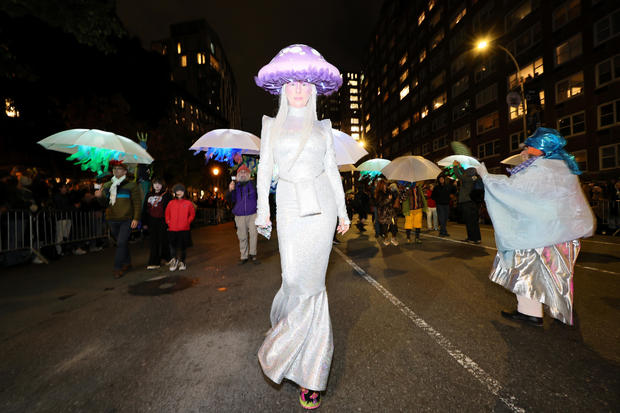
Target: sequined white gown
299 345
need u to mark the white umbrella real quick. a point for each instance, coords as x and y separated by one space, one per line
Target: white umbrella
466 161
411 169
347 168
348 150
228 139
373 165
86 140
513 160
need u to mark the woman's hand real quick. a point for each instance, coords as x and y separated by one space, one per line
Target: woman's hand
343 226
265 224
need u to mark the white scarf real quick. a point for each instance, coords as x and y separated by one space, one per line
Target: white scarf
115 183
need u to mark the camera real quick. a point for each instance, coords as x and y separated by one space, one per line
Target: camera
234 178
97 186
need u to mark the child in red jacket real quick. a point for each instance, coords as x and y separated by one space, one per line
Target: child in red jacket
180 213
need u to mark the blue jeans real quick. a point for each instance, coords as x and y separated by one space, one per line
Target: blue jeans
443 211
120 231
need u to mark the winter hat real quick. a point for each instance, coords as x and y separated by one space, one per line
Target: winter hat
243 167
178 187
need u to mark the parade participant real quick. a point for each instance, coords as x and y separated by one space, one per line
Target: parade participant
414 203
538 213
242 195
309 197
123 200
153 219
441 196
180 213
431 209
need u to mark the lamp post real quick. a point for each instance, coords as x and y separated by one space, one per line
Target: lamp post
482 45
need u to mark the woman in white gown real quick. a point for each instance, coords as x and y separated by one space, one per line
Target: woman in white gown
298 149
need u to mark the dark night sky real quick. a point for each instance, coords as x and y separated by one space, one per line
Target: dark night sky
253 31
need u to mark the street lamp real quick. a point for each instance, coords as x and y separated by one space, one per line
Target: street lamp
483 45
215 171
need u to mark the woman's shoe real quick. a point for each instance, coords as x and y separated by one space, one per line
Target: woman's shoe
394 242
386 242
309 399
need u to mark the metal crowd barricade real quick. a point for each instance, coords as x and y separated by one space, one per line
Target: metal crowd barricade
21 230
205 216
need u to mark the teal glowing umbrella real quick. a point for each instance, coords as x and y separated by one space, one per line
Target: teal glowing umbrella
93 149
372 168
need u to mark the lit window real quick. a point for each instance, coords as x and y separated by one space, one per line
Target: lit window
569 87
565 13
386 95
437 39
182 104
424 112
353 98
608 114
404 75
431 4
355 128
378 91
574 124
352 82
515 112
405 124
422 55
355 121
421 18
607 27
212 47
527 72
541 98
416 117
518 14
354 106
179 48
353 91
568 50
404 92
581 157
183 61
214 63
414 82
403 60
355 135
439 101
9 108
487 123
367 129
608 71
368 117
394 132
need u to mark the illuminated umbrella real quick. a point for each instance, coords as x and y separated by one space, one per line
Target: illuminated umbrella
372 167
224 144
411 169
348 150
93 148
513 160
464 160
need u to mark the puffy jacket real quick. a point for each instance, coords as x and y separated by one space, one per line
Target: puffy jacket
243 199
179 214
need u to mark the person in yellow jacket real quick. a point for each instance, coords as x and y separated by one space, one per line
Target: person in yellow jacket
414 203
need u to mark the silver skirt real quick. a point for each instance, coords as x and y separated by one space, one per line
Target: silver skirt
542 274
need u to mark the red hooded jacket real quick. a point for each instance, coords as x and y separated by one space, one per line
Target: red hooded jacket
179 214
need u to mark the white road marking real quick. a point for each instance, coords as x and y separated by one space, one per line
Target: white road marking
467 363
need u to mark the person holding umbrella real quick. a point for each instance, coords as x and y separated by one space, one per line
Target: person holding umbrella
123 203
309 198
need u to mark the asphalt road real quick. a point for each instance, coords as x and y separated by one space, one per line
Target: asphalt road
416 328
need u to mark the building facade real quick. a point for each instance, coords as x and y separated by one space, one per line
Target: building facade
343 108
426 84
203 75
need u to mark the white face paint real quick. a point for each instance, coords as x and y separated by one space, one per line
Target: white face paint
298 93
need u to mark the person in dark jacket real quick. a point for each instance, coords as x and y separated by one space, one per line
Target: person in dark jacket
242 195
468 208
441 196
153 219
123 201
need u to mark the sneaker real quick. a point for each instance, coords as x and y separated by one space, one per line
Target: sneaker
182 266
394 242
152 267
386 242
172 260
174 264
79 251
255 260
309 399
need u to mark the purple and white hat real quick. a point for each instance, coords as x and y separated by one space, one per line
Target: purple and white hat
299 62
